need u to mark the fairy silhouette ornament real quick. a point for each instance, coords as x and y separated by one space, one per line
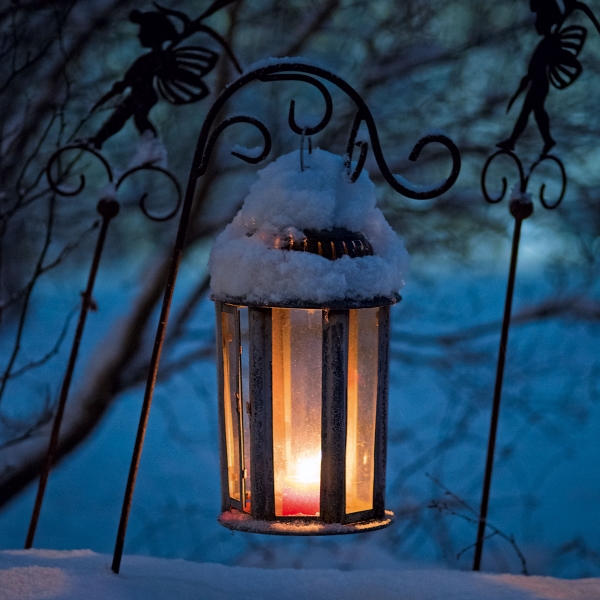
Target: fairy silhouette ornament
169 70
554 62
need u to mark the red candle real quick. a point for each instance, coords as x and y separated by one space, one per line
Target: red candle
302 491
300 499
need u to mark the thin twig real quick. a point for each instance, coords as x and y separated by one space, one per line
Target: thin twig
52 352
445 508
30 288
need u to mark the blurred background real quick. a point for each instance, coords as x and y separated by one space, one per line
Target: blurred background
420 65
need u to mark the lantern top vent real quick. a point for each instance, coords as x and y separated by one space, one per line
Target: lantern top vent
303 211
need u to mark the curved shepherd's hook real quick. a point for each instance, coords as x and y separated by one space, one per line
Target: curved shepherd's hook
308 73
107 208
280 71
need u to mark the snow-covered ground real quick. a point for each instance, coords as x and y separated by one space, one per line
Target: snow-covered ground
79 574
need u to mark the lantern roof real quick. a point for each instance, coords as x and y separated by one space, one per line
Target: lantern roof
250 264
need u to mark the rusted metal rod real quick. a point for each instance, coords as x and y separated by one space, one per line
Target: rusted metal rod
521 207
520 212
108 209
151 382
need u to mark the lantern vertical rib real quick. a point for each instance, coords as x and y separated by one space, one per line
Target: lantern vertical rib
279 71
261 367
333 425
383 359
521 208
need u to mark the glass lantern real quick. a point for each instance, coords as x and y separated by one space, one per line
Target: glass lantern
303 408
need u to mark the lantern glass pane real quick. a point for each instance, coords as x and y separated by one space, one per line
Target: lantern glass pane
230 397
296 355
363 342
245 366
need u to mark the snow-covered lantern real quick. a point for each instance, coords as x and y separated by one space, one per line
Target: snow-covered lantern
303 280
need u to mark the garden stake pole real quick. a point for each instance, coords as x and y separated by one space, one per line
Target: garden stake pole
152 374
544 69
521 207
519 212
282 71
108 209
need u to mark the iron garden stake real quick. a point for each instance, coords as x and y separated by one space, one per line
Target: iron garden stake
555 63
107 208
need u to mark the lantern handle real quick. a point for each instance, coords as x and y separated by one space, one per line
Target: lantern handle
302 148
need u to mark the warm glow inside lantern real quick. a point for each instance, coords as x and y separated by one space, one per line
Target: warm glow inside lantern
303 418
303 384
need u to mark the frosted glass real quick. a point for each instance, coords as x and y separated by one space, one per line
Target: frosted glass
297 350
230 398
363 342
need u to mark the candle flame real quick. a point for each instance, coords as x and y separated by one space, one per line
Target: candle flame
308 469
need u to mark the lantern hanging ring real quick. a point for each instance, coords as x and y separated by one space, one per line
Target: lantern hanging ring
302 148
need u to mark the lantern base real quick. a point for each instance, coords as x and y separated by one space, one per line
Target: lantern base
241 521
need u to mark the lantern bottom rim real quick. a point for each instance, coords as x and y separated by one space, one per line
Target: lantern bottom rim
241 521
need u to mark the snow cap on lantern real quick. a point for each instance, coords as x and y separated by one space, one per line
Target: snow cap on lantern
284 204
303 279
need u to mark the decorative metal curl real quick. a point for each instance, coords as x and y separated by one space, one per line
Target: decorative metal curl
280 71
144 196
296 71
523 178
55 185
292 114
253 160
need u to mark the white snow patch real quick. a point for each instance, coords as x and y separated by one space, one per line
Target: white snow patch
109 191
34 574
244 263
149 151
363 135
519 196
250 152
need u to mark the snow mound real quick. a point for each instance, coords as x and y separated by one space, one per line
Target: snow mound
36 575
245 264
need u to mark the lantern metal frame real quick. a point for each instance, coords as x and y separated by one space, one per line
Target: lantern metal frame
333 517
272 71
